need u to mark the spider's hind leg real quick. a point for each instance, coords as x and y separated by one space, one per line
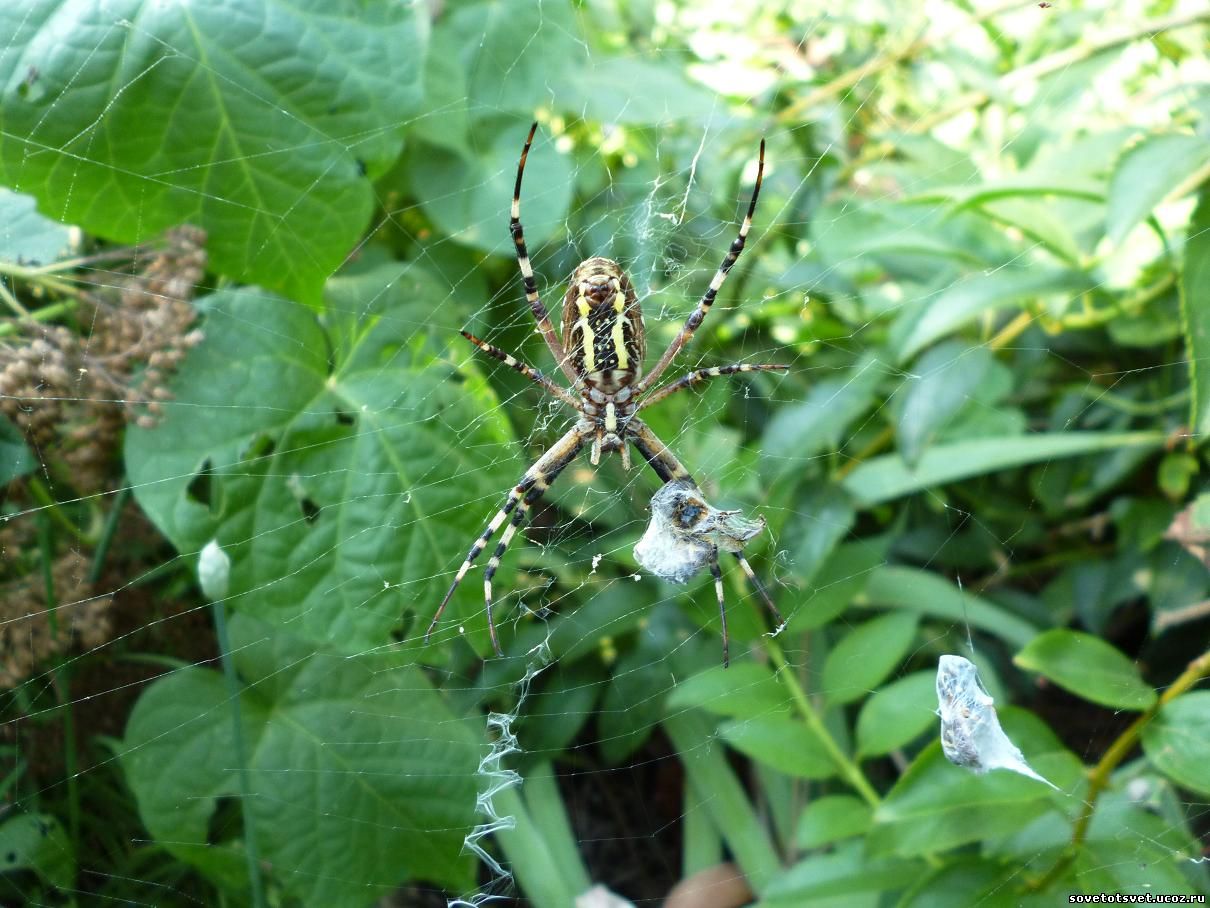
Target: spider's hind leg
722 607
533 484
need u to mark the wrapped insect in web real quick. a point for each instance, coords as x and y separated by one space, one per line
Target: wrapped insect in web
686 533
971 735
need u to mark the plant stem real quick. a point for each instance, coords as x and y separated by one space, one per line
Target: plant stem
43 497
1057 62
885 61
1098 779
245 788
880 441
107 533
848 770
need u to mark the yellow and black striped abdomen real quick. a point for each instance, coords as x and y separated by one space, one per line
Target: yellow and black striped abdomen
603 326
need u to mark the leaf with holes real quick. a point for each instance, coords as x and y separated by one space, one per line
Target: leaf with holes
358 775
255 121
343 493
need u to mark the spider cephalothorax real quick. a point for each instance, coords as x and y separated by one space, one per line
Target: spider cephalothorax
601 354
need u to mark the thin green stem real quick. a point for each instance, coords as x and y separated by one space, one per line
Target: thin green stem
45 314
245 787
1058 62
849 771
885 61
108 530
1099 778
43 497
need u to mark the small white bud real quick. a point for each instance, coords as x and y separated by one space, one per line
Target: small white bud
214 571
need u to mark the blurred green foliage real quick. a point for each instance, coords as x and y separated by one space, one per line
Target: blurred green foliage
983 243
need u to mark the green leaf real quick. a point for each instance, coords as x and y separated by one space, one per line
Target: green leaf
1195 315
38 842
936 806
800 431
15 459
480 218
26 237
784 743
376 459
897 714
966 300
1023 185
1147 174
1175 473
889 477
822 517
931 594
1131 867
722 795
832 818
339 804
602 89
256 121
1088 667
744 689
942 382
1178 740
866 655
842 578
845 873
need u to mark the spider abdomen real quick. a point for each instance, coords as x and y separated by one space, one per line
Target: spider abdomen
603 326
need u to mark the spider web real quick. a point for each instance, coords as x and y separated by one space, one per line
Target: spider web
645 153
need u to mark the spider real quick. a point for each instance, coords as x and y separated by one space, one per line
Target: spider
601 353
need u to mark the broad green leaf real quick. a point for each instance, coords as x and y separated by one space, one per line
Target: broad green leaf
1178 740
782 742
846 872
931 594
326 482
27 237
640 680
469 197
865 655
744 689
832 818
260 123
841 578
936 806
1195 315
942 382
601 89
515 53
889 477
15 458
1088 667
967 299
822 517
38 842
897 714
1148 173
339 803
801 431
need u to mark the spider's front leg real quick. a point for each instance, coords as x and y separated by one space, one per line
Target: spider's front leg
533 484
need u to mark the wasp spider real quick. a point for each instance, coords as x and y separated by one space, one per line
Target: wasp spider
601 353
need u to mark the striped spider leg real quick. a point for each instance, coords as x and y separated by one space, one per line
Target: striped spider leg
601 353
